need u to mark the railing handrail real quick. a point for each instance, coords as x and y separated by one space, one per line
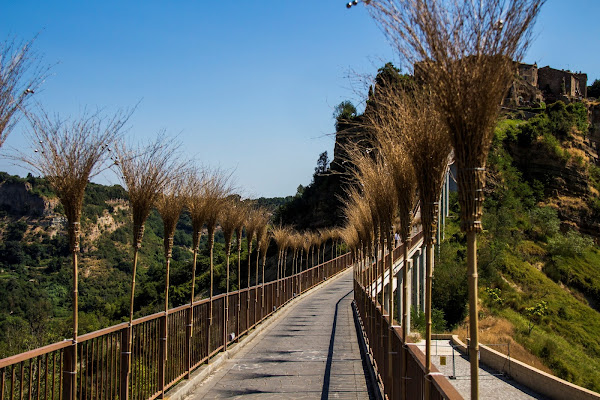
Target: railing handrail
10 360
440 383
40 351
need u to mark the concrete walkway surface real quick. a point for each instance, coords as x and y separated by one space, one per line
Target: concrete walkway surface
312 352
492 385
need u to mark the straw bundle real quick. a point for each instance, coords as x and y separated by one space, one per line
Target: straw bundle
145 172
412 118
261 219
253 220
378 188
386 120
170 204
261 229
295 245
232 218
358 215
21 73
349 235
69 153
280 236
325 235
215 190
263 243
196 204
306 245
464 51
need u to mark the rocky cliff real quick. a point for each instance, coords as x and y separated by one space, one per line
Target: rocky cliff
17 198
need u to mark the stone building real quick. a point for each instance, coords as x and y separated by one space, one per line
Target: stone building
533 85
524 90
557 84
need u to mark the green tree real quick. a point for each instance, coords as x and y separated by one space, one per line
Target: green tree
322 163
344 111
594 89
535 313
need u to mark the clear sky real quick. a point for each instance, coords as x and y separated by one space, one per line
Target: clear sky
246 85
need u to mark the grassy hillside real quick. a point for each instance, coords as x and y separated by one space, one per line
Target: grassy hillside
539 276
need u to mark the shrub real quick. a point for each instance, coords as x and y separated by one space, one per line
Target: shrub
569 245
544 222
493 297
417 318
536 126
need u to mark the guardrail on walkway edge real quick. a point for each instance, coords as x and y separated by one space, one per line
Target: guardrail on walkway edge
376 326
102 362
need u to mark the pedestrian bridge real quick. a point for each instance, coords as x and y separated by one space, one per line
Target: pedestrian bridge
315 335
320 333
311 348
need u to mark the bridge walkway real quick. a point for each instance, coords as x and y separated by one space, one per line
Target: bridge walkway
311 352
492 384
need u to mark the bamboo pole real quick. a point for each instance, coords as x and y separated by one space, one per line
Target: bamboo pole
226 312
473 317
75 234
390 243
190 321
164 345
405 312
238 236
428 287
211 243
136 250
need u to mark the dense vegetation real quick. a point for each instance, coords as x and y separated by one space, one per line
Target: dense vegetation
536 271
318 204
35 267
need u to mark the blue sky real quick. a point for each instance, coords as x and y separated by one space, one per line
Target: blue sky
248 86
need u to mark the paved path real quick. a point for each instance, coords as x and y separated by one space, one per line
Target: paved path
310 353
492 385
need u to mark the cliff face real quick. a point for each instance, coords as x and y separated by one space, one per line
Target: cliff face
567 167
16 198
560 178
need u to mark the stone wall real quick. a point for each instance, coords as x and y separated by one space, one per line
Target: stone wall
540 381
556 84
524 89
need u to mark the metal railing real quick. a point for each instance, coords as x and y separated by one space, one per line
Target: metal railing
376 328
192 338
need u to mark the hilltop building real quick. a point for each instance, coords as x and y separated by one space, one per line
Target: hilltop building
534 85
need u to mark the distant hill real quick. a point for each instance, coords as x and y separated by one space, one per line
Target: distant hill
35 266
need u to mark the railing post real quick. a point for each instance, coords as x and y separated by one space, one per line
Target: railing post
225 319
248 308
237 317
256 314
125 363
208 327
162 356
69 373
188 342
